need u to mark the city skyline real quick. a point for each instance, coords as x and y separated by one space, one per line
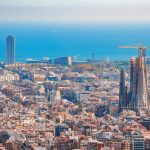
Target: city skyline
74 75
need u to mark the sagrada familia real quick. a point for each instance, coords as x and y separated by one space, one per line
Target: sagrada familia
136 98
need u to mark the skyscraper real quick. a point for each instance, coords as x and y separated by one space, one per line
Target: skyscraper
123 96
138 83
10 51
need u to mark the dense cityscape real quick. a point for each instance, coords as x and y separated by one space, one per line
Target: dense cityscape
66 104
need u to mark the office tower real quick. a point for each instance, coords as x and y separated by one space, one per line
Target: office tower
10 45
123 97
138 83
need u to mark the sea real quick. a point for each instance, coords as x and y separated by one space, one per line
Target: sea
83 41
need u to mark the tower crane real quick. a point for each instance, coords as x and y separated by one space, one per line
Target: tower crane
136 46
142 49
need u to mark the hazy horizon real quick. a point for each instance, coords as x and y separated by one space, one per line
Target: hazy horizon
104 11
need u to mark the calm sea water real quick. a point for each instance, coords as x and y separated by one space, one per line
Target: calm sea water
54 40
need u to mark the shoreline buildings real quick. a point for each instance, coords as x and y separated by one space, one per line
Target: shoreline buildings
64 61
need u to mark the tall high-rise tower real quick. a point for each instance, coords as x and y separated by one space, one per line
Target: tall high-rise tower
10 52
123 96
138 83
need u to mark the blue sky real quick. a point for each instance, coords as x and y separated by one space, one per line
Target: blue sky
75 10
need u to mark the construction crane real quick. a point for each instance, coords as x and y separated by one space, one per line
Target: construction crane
136 46
142 49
